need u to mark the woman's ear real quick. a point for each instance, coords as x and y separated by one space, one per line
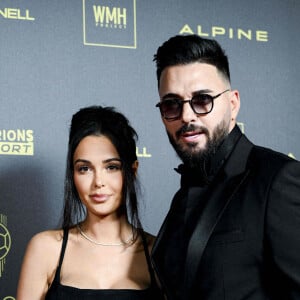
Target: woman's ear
135 166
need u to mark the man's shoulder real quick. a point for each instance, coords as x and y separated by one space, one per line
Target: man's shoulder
269 155
267 161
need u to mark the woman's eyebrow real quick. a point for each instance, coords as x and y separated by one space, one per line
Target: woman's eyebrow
81 160
111 159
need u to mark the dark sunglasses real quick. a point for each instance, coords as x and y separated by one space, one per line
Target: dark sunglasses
201 104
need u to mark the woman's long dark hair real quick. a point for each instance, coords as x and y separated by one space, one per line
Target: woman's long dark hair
106 121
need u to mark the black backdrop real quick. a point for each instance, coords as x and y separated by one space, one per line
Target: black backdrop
58 56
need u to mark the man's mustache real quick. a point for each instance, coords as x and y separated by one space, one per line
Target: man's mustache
191 127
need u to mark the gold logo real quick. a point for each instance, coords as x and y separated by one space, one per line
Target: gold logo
242 126
16 13
143 152
109 23
291 155
5 242
231 33
16 142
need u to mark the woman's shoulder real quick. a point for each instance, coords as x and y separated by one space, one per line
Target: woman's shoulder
46 241
41 257
48 235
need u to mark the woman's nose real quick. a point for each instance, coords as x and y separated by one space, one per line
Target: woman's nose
99 182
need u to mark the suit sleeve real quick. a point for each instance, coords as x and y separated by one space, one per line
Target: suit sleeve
283 226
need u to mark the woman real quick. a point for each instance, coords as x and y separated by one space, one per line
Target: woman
101 252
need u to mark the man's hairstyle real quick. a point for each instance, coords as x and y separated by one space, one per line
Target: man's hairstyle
186 49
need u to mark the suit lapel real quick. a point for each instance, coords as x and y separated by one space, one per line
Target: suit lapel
219 195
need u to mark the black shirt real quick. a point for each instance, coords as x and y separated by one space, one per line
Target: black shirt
57 291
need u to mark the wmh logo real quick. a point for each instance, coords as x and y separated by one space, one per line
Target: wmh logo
110 18
109 23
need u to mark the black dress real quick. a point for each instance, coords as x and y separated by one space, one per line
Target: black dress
57 291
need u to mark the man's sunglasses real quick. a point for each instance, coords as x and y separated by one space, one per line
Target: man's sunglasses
201 104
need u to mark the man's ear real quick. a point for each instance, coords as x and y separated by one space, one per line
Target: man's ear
235 103
234 107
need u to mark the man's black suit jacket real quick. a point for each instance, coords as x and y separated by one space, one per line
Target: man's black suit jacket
246 242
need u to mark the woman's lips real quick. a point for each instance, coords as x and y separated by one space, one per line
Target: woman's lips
100 197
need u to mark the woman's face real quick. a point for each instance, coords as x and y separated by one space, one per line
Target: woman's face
98 176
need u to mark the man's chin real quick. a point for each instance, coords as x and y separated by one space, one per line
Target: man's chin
192 148
190 153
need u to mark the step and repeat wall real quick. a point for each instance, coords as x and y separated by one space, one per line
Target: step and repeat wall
61 55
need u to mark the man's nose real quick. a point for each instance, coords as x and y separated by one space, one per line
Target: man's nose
188 115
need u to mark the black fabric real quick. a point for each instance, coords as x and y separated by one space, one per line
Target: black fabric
244 238
194 194
61 292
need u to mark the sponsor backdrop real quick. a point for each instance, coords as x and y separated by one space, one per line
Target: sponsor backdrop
58 56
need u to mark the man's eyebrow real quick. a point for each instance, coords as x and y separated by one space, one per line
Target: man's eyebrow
203 91
170 95
174 95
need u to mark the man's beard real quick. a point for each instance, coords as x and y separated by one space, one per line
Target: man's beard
200 158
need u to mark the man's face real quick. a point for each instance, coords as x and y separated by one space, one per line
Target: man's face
194 135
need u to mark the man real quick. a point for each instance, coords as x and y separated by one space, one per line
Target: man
233 229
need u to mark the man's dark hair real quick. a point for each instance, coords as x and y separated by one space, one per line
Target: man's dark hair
186 49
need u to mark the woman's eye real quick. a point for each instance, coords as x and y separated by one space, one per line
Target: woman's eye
113 167
83 169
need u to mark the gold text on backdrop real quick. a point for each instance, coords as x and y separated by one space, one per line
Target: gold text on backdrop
16 13
232 33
